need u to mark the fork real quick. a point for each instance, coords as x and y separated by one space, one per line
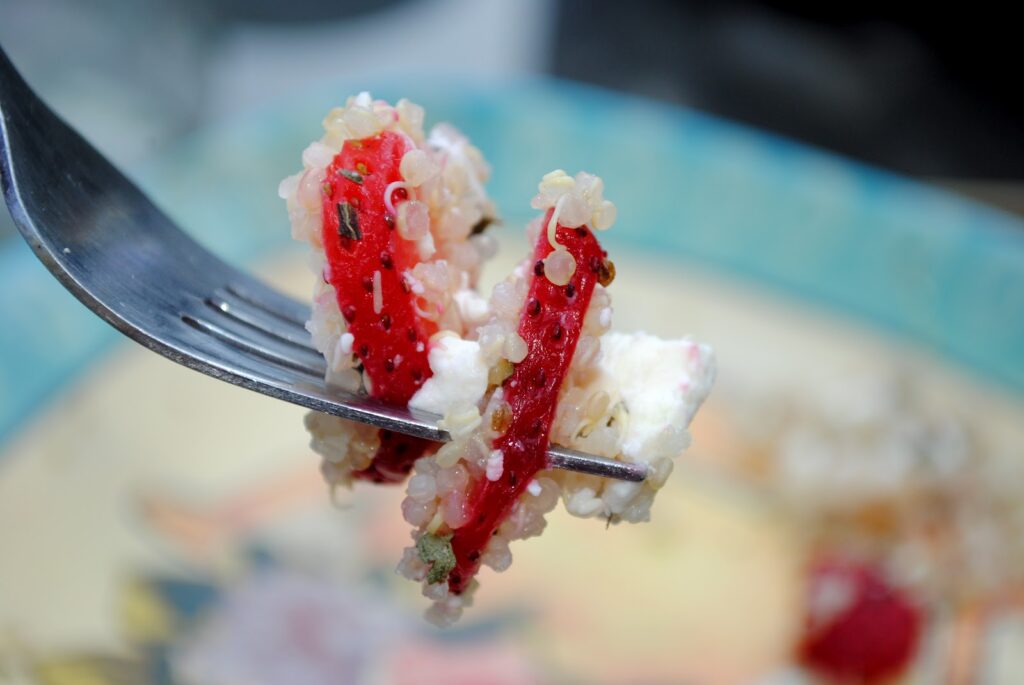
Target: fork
124 259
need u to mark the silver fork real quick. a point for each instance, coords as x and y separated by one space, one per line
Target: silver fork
129 263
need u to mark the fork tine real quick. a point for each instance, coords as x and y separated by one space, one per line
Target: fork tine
573 460
232 306
270 301
256 342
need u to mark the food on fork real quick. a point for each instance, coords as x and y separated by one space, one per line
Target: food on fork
393 218
554 372
396 221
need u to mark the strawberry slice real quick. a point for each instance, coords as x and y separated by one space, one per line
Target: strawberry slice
859 627
550 325
365 262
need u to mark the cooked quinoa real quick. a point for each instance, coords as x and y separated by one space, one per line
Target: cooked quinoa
627 397
444 176
623 396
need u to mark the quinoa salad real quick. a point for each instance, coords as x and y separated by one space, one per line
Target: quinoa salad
399 224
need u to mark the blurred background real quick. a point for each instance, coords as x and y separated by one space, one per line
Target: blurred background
830 195
928 94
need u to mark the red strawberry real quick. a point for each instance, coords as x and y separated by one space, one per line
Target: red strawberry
859 627
363 249
550 325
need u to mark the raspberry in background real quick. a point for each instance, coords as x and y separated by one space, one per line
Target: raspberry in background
859 626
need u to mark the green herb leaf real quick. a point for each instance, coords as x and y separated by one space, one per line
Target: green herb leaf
353 176
436 550
348 222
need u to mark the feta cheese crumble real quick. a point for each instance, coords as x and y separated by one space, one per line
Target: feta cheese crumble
460 376
660 383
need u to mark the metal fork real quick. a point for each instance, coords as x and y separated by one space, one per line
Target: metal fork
124 259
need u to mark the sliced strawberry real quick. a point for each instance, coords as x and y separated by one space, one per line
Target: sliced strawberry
363 249
550 325
859 627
